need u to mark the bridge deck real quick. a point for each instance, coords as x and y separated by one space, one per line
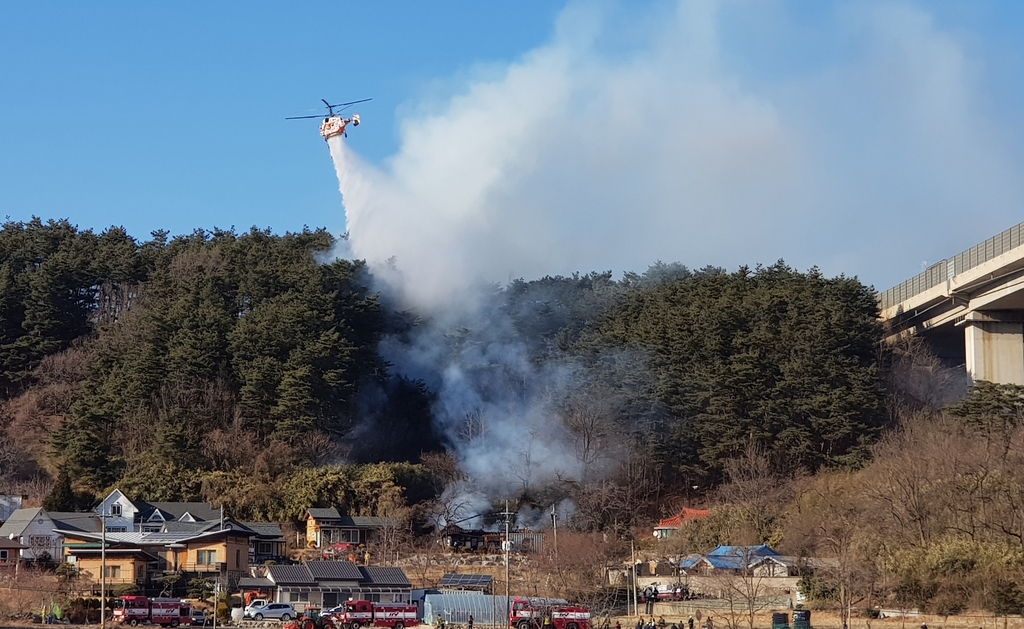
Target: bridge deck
985 275
911 293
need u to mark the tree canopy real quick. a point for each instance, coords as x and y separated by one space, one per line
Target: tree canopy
247 367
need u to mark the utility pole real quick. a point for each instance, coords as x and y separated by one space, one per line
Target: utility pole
507 547
216 598
554 529
216 584
632 554
103 570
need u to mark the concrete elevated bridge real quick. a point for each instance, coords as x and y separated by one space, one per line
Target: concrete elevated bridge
969 307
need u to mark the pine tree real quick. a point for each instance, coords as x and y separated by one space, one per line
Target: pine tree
62 495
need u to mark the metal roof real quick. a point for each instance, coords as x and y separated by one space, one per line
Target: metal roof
175 510
353 521
149 538
452 580
187 527
168 537
324 514
19 521
385 576
334 571
282 574
75 521
255 583
125 538
264 529
132 552
366 521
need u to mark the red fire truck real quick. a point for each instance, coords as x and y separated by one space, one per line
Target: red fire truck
356 614
159 611
529 613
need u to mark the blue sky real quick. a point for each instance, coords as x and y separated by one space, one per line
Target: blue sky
171 115
865 138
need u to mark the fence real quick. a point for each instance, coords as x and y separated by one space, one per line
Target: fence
938 273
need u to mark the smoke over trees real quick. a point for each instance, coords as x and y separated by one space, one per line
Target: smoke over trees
216 364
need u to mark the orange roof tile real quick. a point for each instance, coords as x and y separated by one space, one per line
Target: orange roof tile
682 517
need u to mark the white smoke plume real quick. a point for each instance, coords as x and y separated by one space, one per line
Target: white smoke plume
633 136
636 135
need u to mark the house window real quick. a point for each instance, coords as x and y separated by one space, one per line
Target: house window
264 548
238 560
206 557
115 510
40 541
149 529
117 529
349 535
112 572
298 597
3 556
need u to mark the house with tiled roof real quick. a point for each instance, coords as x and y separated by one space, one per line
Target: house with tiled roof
666 527
141 557
762 560
124 515
326 584
327 528
267 543
35 530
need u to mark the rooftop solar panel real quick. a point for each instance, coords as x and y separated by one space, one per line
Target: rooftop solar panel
467 580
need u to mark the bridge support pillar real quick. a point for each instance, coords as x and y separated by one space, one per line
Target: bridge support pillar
994 341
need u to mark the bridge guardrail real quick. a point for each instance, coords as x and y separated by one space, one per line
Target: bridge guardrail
939 272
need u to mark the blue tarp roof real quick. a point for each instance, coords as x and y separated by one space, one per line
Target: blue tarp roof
730 557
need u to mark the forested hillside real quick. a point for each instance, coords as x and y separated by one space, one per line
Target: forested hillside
244 368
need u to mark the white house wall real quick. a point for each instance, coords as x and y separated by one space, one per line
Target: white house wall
126 521
40 538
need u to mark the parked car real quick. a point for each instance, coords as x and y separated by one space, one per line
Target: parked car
259 602
199 618
281 611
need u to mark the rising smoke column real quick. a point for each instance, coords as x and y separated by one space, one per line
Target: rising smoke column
590 153
497 408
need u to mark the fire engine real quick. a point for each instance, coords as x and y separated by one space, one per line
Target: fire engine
159 611
358 614
531 613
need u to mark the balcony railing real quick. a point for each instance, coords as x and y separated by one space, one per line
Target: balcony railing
199 567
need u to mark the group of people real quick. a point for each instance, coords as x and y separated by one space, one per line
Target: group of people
440 623
661 624
650 595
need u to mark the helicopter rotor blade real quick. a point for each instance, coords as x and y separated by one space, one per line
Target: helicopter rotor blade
304 117
350 102
325 102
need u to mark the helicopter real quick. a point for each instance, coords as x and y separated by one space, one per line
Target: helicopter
334 124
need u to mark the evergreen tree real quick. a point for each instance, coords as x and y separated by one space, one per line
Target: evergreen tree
62 495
